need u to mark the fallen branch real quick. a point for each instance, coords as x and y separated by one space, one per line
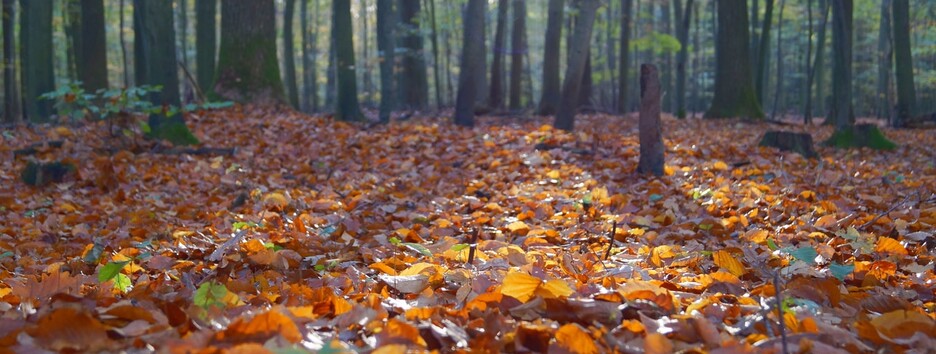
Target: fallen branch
34 148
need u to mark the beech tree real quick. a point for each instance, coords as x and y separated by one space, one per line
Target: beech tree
581 44
386 48
92 56
551 82
471 68
734 85
248 70
36 52
289 54
346 105
205 41
903 60
413 82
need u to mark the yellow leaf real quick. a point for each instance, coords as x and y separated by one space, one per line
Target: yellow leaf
519 227
575 339
555 288
520 286
720 166
275 201
421 268
656 343
553 174
724 260
889 245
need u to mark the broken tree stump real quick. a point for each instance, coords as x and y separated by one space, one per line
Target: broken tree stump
860 135
651 136
38 174
800 143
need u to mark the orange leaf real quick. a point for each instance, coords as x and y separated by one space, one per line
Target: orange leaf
68 329
656 343
520 286
889 245
724 260
554 289
574 338
261 328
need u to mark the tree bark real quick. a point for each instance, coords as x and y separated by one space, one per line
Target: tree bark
496 98
414 87
734 88
780 74
814 68
906 93
550 97
581 43
682 58
624 57
248 70
11 109
434 38
289 54
471 69
517 49
842 70
386 48
819 66
347 107
763 60
885 62
206 41
651 135
36 51
93 54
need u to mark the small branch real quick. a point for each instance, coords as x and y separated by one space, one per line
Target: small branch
473 244
611 240
881 215
783 337
34 148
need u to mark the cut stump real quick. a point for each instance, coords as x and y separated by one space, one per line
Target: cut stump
800 143
651 136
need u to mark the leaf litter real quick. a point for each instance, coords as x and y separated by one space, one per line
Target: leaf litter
328 236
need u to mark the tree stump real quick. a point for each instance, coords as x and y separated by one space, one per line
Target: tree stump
861 135
651 136
38 174
800 143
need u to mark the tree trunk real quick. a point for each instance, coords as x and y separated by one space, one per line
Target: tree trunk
516 53
471 69
696 60
550 97
819 64
842 68
386 48
496 98
93 54
346 107
310 66
906 93
289 54
651 132
734 88
483 85
158 66
330 80
11 109
763 60
682 58
885 62
414 87
624 57
780 74
206 41
248 70
666 77
125 59
581 43
366 79
434 38
814 68
182 8
587 88
36 51
71 14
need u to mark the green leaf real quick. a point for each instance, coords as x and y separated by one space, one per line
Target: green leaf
210 293
655 197
805 254
771 245
459 247
394 241
110 270
840 271
122 282
418 248
6 254
705 227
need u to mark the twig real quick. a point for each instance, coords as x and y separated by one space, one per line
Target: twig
611 240
783 338
34 148
473 244
881 215
188 75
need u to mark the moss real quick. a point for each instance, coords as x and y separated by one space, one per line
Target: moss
862 135
172 129
242 76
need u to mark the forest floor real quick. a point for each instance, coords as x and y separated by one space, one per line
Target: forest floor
319 234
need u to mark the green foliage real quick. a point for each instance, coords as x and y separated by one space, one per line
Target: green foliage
210 293
111 271
860 136
840 271
657 43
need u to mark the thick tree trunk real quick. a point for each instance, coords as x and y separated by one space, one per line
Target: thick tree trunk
206 41
248 70
885 62
158 66
734 85
581 44
414 87
550 97
471 69
842 69
93 53
763 59
346 107
36 51
289 54
11 109
386 48
651 130
517 50
683 21
496 98
906 93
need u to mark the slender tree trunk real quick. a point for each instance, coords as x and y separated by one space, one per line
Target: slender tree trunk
885 62
331 78
386 48
516 53
289 54
819 64
683 21
483 85
842 69
471 69
36 51
667 60
248 70
807 115
624 57
183 32
696 60
347 107
206 41
447 48
777 93
734 89
651 132
123 46
414 87
93 54
11 111
763 47
587 88
581 43
550 98
496 99
312 76
366 79
906 93
434 38
71 13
